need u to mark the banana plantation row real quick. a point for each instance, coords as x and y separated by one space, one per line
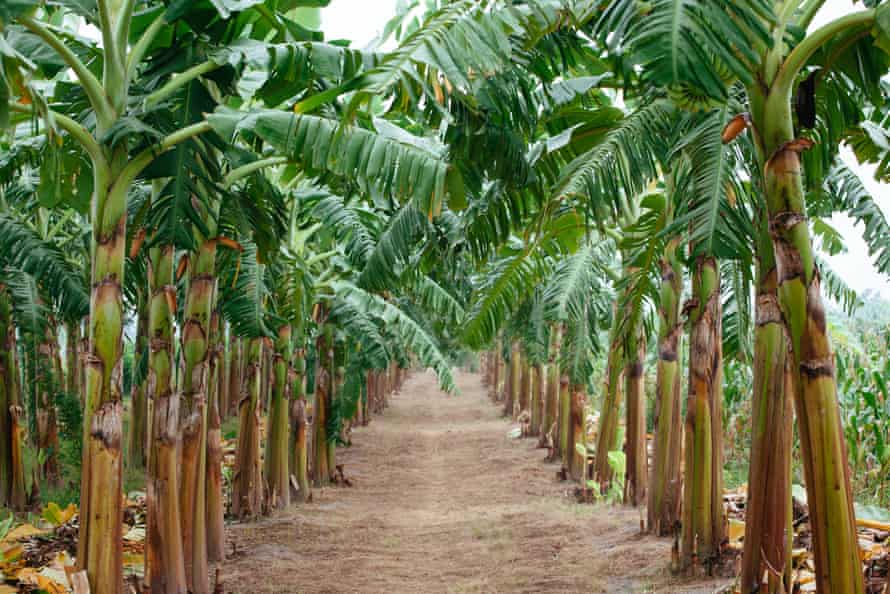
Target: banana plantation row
271 218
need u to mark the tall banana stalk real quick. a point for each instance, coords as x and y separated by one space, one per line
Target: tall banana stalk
247 487
276 461
47 379
551 397
768 511
336 389
703 521
566 447
635 435
525 383
826 469
235 365
114 171
323 391
496 367
195 377
12 471
576 462
665 482
165 570
537 399
607 433
513 394
215 499
299 462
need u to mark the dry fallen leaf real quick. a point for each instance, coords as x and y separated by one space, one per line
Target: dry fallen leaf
22 532
30 577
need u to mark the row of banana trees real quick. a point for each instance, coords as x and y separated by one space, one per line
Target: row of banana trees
267 210
714 183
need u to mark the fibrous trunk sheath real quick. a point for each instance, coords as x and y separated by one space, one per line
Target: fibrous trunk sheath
551 405
665 483
607 433
826 468
12 472
165 570
515 381
566 447
635 436
99 547
299 449
323 387
48 378
525 383
247 488
215 502
276 462
537 399
577 460
703 522
768 511
195 375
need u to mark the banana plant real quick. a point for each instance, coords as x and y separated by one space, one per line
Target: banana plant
695 67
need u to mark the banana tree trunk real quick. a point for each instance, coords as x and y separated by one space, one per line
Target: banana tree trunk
768 511
537 399
48 379
136 447
506 390
7 353
703 521
236 365
635 437
525 384
576 435
247 487
335 394
607 433
12 471
512 395
299 459
165 570
276 461
216 536
99 546
196 351
665 481
366 405
323 388
494 390
829 496
551 404
224 352
566 447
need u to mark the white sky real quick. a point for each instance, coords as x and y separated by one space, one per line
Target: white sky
361 20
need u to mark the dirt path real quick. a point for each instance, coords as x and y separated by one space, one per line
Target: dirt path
444 501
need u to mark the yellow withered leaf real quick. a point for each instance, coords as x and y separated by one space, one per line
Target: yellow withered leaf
57 516
736 529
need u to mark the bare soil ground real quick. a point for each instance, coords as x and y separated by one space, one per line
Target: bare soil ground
444 501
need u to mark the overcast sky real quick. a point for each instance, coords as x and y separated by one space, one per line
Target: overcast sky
361 20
